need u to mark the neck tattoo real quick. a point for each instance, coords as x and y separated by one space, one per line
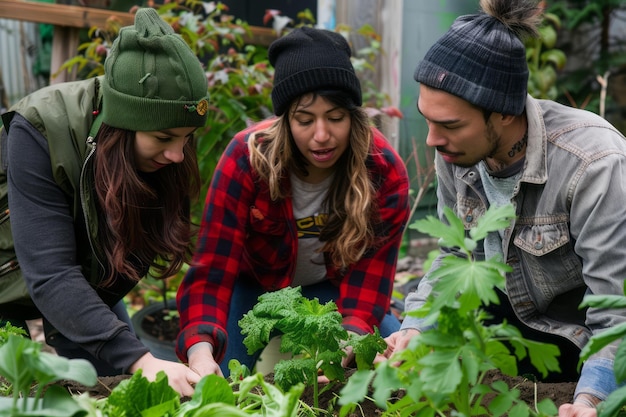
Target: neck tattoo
519 146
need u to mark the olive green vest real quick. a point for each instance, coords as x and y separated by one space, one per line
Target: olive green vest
64 114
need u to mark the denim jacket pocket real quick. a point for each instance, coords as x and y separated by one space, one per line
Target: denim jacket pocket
549 264
541 239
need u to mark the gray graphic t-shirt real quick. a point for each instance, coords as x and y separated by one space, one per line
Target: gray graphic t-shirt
310 216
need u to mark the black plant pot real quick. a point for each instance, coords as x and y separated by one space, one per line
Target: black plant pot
144 320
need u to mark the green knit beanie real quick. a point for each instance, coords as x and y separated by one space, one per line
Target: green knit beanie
153 80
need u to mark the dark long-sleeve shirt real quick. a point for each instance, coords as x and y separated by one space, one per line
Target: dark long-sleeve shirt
45 238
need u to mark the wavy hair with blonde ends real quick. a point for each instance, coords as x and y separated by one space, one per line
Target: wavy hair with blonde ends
142 222
352 212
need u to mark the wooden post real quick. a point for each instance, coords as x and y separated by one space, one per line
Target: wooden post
386 17
65 41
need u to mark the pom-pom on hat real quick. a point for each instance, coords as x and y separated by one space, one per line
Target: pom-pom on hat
153 80
308 60
482 58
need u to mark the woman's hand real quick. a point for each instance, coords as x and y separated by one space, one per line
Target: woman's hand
179 376
201 360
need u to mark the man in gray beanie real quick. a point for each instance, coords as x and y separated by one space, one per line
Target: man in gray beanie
561 168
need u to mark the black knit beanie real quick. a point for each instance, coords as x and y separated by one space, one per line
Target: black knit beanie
480 60
308 60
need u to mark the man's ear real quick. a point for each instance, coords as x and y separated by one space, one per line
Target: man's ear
506 119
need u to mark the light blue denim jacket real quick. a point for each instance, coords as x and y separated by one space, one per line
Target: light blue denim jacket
569 238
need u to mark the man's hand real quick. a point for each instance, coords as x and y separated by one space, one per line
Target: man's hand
584 406
396 342
346 361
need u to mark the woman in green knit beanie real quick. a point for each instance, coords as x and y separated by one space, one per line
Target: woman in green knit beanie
100 176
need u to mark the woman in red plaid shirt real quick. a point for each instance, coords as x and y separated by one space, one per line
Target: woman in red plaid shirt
315 197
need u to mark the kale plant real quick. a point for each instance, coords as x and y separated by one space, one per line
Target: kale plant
312 332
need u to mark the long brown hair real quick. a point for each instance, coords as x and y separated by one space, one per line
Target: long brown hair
142 222
352 211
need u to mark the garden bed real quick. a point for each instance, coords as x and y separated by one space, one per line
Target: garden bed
530 392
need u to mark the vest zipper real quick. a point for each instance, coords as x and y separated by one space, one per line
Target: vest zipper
90 141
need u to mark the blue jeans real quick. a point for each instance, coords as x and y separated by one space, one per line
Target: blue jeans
245 296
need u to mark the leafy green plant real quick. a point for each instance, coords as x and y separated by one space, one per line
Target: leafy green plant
248 395
596 45
252 392
312 332
7 330
444 368
616 401
544 59
138 397
30 371
33 373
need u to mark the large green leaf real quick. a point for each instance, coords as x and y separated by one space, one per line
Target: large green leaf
57 402
494 219
49 367
604 301
138 397
469 283
441 372
600 340
451 236
211 389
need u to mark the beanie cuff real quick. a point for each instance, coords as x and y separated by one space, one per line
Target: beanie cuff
479 95
315 79
134 113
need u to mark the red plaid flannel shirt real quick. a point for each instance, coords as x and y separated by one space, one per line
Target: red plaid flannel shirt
244 232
